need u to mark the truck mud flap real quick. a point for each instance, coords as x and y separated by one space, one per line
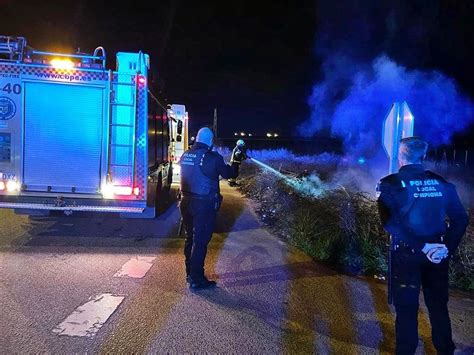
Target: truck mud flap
148 213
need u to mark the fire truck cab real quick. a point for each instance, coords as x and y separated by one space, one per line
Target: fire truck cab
75 136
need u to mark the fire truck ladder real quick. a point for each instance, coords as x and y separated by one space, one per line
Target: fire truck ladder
15 49
122 130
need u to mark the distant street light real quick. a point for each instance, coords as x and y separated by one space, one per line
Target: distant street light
275 135
242 134
236 134
269 135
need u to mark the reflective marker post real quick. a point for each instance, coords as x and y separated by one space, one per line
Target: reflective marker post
398 124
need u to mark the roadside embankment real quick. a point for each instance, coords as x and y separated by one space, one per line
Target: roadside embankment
331 222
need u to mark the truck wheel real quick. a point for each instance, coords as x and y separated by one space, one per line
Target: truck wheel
169 180
161 199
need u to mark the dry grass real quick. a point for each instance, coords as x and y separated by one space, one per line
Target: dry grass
461 271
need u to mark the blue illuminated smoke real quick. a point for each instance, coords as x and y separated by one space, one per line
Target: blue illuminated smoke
366 93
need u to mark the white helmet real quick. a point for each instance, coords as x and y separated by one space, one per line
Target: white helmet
240 143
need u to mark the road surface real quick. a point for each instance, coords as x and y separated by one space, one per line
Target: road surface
100 284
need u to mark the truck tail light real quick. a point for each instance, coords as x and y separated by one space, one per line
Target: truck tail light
122 190
12 186
110 191
136 191
2 186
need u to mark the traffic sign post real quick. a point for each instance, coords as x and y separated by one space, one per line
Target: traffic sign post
398 124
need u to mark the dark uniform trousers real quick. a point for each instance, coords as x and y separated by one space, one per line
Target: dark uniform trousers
412 270
199 218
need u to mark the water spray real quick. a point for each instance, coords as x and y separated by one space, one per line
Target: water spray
311 187
273 171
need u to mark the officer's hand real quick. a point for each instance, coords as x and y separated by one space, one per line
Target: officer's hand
435 252
239 156
439 255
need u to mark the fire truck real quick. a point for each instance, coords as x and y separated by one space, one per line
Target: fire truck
179 136
75 136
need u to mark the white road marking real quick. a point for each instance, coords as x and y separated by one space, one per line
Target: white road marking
86 320
136 267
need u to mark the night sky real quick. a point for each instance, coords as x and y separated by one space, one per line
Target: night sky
256 61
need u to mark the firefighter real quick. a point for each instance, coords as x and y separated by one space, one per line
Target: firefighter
239 153
413 206
200 201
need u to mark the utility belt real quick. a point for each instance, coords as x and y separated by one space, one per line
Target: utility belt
198 196
215 197
402 246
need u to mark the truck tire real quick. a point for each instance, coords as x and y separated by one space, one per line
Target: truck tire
162 196
169 180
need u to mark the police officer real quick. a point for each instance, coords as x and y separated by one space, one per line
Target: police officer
239 153
413 206
200 201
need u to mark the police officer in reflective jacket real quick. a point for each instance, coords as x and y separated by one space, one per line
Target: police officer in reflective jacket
200 201
413 206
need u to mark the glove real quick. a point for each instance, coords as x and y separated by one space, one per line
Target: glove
239 156
435 252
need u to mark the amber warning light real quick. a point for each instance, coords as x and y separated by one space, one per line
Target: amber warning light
62 63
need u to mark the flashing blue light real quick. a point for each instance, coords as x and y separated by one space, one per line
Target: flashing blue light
361 160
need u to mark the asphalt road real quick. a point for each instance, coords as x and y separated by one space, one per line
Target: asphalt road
271 298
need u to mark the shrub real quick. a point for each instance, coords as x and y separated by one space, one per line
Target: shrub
461 272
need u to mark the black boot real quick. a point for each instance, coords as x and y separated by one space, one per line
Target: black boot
202 284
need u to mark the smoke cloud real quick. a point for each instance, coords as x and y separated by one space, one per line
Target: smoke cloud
360 79
439 108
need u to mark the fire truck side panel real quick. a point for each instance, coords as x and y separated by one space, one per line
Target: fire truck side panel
159 166
157 149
